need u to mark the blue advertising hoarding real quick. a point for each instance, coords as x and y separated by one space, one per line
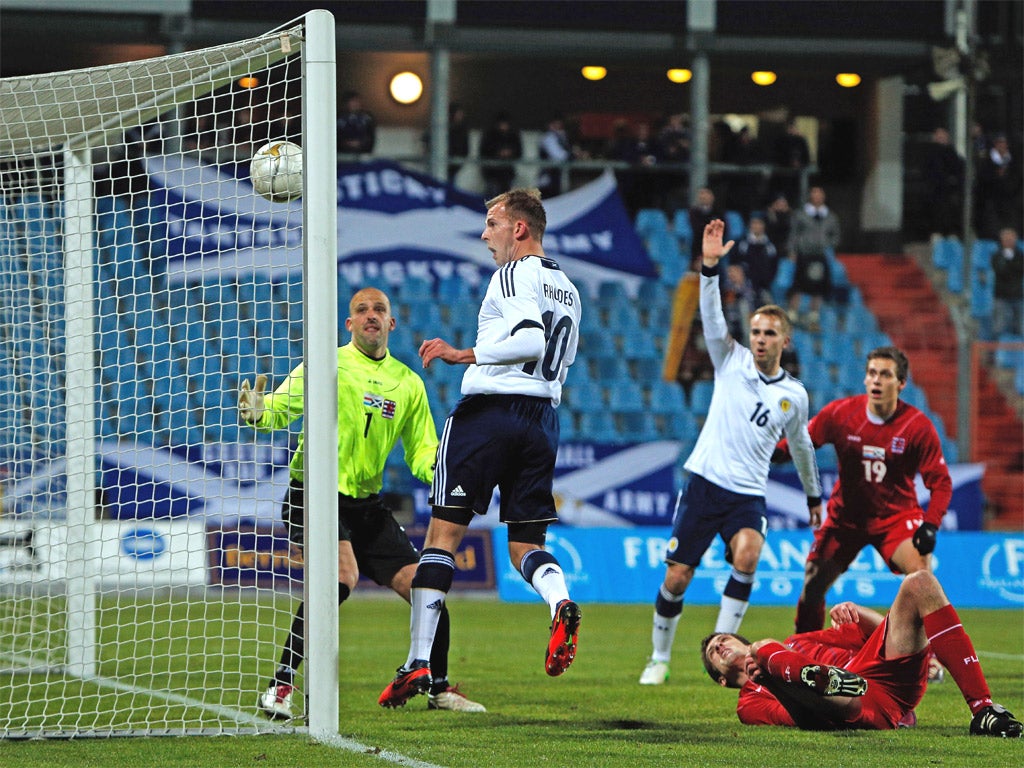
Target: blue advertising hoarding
625 565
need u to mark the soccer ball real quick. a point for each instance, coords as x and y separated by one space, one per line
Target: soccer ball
276 171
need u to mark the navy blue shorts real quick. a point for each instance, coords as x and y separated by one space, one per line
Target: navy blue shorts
381 546
504 441
704 509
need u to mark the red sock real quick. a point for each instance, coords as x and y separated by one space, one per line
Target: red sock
955 650
810 617
781 662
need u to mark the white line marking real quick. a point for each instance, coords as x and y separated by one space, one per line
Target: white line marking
246 718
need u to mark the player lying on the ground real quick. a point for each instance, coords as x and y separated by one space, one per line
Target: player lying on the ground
867 671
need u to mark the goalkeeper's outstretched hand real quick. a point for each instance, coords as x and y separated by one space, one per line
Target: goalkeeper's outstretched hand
250 401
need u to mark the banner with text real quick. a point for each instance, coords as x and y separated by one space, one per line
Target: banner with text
615 565
392 223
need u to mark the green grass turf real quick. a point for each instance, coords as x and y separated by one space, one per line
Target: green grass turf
594 715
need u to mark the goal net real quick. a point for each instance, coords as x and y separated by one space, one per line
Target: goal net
146 584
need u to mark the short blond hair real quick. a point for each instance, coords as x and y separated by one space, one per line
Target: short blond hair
524 203
774 310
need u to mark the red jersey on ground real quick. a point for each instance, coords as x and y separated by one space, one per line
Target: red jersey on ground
895 685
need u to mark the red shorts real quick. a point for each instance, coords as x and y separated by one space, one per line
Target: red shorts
895 686
841 541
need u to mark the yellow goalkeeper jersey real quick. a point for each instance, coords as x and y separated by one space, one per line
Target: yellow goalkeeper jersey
379 401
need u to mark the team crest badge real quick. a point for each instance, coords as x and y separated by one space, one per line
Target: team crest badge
899 445
785 404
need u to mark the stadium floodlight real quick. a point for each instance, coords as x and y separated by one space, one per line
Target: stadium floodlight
141 594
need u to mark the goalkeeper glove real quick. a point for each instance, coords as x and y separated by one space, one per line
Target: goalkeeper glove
250 401
924 538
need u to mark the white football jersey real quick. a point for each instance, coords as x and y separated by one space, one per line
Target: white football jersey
749 413
525 295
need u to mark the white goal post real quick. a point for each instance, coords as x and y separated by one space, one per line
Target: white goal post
146 584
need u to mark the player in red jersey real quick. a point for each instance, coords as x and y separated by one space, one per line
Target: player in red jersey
882 443
867 671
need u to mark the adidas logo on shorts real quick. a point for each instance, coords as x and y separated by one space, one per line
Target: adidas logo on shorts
457 491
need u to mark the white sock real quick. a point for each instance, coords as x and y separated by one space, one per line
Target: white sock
426 612
549 581
730 614
663 634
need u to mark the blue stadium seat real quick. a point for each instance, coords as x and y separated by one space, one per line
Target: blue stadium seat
667 398
783 279
700 397
623 318
626 397
682 228
650 220
638 427
599 427
610 369
566 425
610 291
414 289
641 350
584 396
736 227
981 255
955 272
982 298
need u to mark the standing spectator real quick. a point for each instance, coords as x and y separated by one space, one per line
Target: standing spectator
1008 293
370 541
357 130
778 221
702 212
458 138
882 444
500 142
745 189
814 238
792 156
865 672
999 189
754 402
738 301
943 178
555 146
673 148
637 149
759 257
503 432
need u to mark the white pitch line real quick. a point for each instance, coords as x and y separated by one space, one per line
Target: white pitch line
246 718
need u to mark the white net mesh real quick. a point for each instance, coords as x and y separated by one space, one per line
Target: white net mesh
183 593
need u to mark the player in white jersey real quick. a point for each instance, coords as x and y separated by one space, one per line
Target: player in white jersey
503 432
754 403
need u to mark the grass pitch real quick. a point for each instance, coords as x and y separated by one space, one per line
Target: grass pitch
594 715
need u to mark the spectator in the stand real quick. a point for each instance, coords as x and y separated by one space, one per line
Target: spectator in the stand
790 360
738 300
745 189
555 146
943 178
1008 294
760 259
501 141
357 129
999 189
778 220
458 138
633 146
815 234
792 156
673 147
702 212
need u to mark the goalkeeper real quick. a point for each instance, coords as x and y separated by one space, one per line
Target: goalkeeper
379 401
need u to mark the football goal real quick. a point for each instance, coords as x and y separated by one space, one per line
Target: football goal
145 581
